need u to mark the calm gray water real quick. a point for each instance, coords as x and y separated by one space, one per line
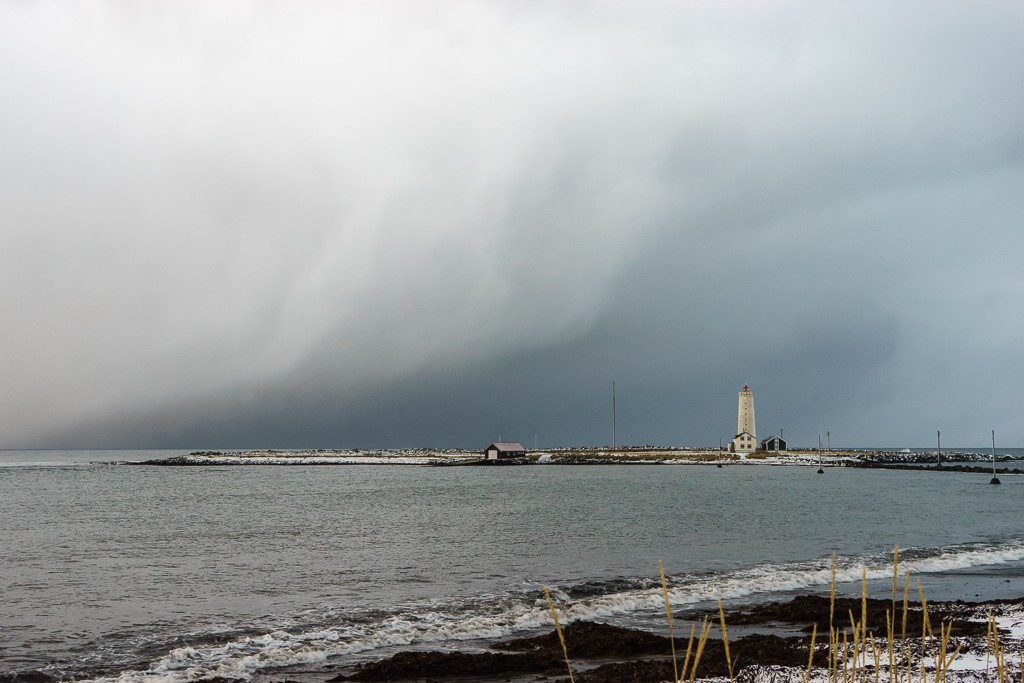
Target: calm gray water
111 569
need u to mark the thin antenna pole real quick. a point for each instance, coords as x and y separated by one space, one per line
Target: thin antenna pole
821 468
938 449
828 442
615 443
995 479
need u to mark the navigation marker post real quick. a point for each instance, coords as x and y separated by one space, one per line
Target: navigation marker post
995 479
821 470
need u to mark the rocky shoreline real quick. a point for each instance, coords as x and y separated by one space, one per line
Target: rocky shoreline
768 643
946 467
604 653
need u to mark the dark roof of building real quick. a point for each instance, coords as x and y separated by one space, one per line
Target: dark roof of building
507 447
742 433
773 438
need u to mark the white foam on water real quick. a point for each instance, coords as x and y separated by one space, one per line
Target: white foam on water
242 657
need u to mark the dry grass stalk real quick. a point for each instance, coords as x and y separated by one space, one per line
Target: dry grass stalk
997 651
895 573
851 656
874 653
927 623
705 631
810 656
833 634
851 651
855 634
906 600
863 612
725 640
686 659
940 657
889 617
668 615
845 659
561 638
889 644
863 601
834 656
903 632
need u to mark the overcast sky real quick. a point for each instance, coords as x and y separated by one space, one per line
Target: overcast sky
359 224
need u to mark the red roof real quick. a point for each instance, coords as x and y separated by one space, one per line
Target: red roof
507 447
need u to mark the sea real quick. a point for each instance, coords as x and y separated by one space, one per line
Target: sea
110 570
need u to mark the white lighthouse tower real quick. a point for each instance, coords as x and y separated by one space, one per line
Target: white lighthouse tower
745 440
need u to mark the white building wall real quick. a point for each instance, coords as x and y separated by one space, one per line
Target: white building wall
746 434
745 416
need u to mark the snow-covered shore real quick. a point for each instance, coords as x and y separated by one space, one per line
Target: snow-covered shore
318 457
567 456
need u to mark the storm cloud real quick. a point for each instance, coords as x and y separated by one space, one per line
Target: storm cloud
397 224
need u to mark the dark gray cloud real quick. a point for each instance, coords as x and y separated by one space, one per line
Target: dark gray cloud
323 224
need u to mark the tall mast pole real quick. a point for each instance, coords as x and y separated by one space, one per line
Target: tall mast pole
938 449
828 442
995 479
821 468
615 443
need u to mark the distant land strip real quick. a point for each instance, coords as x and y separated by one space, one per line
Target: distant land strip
952 462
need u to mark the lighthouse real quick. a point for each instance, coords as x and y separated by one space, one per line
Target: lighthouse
745 440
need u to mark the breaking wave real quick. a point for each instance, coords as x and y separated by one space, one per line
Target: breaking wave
502 616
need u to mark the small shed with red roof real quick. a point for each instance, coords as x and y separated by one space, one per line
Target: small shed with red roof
504 449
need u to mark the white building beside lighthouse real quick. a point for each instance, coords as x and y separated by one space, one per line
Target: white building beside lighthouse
745 440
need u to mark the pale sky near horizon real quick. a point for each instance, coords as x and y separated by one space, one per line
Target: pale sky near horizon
421 223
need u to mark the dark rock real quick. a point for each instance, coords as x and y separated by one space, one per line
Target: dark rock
814 609
588 639
418 665
30 676
626 672
752 649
